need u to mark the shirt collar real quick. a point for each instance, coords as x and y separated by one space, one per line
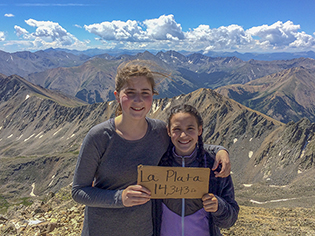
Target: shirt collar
188 159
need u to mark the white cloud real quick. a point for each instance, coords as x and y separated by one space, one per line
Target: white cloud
20 31
8 15
47 34
48 29
276 34
164 33
223 38
19 45
118 30
2 36
281 36
164 28
303 40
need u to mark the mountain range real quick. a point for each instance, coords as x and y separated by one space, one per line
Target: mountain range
262 111
93 81
41 132
243 56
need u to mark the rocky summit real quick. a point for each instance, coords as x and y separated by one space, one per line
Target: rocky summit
58 215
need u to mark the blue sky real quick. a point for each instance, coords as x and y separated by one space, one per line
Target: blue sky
243 26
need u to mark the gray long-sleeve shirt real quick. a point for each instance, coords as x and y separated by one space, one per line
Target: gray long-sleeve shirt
111 162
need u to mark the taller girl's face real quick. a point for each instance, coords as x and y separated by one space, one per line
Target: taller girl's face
184 132
135 97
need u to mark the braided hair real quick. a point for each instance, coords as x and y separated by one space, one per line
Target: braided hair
167 158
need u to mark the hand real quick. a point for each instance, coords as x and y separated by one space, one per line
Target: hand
210 202
135 195
222 157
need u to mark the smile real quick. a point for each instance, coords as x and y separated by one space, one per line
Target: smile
184 142
137 109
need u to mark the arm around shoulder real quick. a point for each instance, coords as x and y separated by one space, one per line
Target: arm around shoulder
221 157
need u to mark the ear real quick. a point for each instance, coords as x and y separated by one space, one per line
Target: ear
200 130
116 96
168 131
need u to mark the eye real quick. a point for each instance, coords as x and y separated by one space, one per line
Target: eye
146 94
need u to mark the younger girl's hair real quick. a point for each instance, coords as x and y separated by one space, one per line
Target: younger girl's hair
136 68
185 108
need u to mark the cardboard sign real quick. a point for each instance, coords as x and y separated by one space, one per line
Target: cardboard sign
174 182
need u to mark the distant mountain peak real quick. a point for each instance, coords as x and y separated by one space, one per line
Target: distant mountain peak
285 95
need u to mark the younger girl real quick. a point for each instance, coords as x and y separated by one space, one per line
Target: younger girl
190 217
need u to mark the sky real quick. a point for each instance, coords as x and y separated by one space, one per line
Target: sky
180 25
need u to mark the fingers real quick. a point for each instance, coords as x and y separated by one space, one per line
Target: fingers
222 157
210 202
135 195
225 170
207 196
215 164
139 188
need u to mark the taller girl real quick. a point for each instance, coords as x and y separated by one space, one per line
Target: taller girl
106 171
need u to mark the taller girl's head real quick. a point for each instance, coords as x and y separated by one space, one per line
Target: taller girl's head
134 68
127 77
184 126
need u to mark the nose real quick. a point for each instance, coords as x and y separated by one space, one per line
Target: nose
138 97
182 134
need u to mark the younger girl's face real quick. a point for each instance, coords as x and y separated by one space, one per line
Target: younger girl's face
184 132
135 97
